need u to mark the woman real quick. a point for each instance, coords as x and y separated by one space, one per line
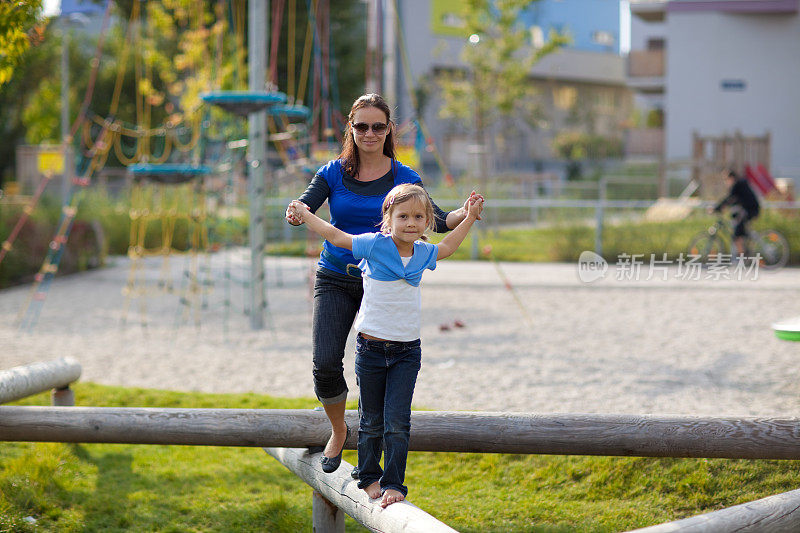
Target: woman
355 185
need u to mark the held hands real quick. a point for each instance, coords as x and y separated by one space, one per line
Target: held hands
295 211
473 196
474 206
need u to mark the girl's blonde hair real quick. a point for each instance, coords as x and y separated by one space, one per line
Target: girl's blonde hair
404 193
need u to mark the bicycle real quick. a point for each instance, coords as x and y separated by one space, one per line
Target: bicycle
768 246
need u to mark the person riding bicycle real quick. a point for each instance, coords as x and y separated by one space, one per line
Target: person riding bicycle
741 196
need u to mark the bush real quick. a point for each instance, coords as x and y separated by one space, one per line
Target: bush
37 237
102 227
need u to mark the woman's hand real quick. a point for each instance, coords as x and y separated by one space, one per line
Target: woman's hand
473 197
474 207
292 214
457 216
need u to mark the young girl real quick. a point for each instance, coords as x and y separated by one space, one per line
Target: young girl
388 354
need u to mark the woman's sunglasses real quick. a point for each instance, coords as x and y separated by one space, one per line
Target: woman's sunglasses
378 128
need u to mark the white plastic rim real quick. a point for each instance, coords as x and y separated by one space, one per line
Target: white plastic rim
788 329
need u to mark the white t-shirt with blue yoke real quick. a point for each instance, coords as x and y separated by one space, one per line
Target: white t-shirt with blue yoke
392 305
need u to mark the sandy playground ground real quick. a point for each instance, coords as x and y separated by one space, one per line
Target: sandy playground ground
551 343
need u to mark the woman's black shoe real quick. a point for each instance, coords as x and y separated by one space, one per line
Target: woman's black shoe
330 464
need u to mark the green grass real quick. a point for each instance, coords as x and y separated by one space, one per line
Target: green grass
104 487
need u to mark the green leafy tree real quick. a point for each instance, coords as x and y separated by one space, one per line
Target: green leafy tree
499 58
19 22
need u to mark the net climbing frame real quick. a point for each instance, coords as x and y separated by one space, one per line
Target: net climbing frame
168 218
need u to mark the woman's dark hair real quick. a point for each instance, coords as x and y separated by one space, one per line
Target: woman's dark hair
349 156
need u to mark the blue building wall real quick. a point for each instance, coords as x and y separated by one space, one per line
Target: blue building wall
86 7
592 24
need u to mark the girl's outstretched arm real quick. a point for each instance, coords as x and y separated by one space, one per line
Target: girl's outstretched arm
453 240
332 234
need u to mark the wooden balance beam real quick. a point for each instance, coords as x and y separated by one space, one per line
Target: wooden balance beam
339 492
777 513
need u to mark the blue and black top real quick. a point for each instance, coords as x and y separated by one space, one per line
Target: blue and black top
355 206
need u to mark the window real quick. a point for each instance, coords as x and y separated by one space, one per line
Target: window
564 97
453 20
604 99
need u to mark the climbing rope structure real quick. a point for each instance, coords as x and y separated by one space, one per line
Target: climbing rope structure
170 198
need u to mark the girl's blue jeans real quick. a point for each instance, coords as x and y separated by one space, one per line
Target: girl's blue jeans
387 372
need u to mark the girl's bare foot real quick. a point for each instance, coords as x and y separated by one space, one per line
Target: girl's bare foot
391 496
374 490
336 442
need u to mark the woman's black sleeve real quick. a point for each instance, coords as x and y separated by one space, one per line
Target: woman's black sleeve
316 193
440 217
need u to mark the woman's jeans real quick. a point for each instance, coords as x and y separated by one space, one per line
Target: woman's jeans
337 299
387 372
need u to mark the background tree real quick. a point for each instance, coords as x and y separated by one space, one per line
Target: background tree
19 24
22 67
499 56
184 47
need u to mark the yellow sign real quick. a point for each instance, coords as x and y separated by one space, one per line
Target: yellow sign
408 156
51 161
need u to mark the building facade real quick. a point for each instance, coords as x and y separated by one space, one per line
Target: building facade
720 68
580 87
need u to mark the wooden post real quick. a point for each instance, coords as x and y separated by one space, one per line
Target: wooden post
773 513
599 215
325 517
22 381
342 491
698 156
62 397
740 157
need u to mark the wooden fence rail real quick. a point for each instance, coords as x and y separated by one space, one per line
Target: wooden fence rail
442 431
22 381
